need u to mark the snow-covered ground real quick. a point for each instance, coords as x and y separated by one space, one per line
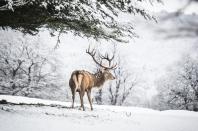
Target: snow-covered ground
30 114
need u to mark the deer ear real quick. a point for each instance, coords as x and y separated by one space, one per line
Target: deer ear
105 69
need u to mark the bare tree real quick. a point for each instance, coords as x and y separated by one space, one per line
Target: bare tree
98 97
124 84
117 92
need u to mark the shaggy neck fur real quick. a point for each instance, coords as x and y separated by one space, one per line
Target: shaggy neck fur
99 79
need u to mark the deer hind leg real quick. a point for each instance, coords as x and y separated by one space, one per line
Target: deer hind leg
73 97
73 85
81 93
81 90
89 98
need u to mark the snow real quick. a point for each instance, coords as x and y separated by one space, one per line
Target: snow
55 115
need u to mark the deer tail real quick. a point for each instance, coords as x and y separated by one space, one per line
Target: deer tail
77 78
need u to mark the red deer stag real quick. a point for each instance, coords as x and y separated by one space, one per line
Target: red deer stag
83 81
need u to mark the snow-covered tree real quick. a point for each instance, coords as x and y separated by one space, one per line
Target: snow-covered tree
26 70
91 18
179 89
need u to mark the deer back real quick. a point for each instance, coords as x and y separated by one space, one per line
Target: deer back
88 79
82 79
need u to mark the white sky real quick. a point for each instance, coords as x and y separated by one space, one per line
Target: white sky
171 6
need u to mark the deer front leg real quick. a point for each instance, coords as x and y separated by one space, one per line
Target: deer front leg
81 93
89 98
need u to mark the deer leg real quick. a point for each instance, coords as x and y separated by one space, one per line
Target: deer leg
89 98
73 98
81 93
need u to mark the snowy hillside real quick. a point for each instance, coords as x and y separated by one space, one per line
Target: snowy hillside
22 114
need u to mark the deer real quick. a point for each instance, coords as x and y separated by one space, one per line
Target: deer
83 81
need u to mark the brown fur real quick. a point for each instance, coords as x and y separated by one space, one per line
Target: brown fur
83 81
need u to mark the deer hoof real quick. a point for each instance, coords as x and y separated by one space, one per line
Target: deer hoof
81 108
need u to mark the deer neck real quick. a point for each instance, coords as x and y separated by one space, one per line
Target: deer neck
99 80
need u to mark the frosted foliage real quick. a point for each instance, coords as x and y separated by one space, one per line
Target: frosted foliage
25 69
102 19
179 89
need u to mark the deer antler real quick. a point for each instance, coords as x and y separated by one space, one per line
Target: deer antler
106 57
